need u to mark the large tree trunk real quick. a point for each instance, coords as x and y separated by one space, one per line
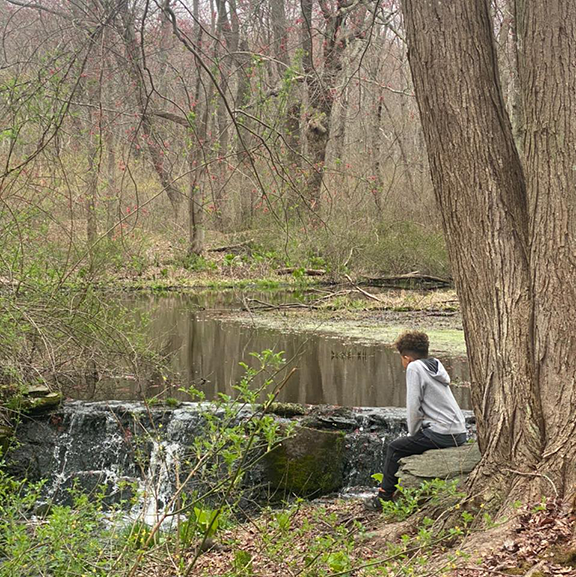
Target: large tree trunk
481 191
319 111
547 35
195 157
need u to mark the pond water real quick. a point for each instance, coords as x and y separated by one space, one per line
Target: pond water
204 348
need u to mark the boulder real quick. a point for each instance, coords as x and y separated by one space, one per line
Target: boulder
451 463
310 463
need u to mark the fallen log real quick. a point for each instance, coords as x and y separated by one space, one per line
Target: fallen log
232 248
306 271
411 278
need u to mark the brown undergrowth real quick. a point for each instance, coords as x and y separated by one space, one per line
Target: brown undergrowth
336 538
539 541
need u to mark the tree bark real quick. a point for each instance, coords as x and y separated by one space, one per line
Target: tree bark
508 63
547 37
481 191
195 157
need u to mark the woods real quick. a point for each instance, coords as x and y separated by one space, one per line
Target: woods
253 116
238 238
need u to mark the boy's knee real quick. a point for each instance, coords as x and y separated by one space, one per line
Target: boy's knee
396 444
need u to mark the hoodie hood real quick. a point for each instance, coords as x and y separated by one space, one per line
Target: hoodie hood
436 370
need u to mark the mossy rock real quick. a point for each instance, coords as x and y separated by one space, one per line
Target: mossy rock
40 399
310 463
287 409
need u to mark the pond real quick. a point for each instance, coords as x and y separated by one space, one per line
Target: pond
204 347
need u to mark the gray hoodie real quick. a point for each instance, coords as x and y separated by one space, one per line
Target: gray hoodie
429 400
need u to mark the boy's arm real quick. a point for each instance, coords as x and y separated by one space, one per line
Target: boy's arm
413 400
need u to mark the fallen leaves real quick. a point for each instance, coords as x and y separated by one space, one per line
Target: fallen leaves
543 545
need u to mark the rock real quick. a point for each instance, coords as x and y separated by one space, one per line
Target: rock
36 391
451 463
106 440
39 398
311 463
327 417
35 405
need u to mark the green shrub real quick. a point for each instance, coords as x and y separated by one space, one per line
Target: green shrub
72 540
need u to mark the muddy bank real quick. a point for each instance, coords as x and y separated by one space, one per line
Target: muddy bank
362 327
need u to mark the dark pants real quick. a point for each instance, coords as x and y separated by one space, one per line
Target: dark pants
414 445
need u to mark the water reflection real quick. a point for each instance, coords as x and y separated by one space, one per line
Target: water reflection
205 350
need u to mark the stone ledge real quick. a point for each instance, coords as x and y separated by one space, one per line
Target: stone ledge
450 463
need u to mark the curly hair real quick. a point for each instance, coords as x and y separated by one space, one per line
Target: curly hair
413 342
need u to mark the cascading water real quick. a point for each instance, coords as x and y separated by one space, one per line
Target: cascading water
136 450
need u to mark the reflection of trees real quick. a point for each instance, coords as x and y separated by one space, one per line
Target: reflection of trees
206 352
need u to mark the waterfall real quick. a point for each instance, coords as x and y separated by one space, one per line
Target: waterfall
135 450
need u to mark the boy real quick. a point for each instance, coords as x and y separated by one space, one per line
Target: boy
435 420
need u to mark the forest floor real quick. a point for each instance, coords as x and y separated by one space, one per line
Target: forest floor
334 537
228 261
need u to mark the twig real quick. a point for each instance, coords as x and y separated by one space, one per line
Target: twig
482 569
360 290
532 571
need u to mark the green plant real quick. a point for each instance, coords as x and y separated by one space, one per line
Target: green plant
229 259
338 562
540 506
202 522
242 562
230 444
139 536
283 520
197 263
409 501
67 540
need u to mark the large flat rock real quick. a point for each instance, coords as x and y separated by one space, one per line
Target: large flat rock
451 463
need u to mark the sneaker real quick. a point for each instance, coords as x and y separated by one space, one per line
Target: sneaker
385 496
375 503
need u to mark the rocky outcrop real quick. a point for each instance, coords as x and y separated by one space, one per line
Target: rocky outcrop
451 463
